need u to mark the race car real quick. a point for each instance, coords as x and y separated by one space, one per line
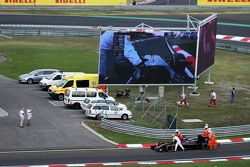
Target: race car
188 144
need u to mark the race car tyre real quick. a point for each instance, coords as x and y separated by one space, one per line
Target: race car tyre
170 148
204 146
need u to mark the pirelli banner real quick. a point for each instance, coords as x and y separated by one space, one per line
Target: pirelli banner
62 2
224 2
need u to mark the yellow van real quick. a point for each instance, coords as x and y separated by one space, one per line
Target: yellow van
75 81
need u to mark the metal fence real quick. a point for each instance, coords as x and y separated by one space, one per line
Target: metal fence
236 48
167 133
49 32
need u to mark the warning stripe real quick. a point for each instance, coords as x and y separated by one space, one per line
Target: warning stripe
160 162
233 38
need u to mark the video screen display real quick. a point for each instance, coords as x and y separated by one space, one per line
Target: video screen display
146 58
207 44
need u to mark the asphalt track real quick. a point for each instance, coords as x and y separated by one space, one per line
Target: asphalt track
228 24
115 155
17 96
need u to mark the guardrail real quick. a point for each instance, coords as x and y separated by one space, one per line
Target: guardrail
64 30
236 48
47 30
167 133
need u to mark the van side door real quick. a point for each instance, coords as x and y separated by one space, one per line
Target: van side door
105 111
114 112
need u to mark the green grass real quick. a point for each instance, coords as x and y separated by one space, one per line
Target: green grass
68 54
231 69
243 163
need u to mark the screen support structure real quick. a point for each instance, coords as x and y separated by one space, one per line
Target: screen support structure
191 22
209 82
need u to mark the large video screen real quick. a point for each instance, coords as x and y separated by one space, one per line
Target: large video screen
207 44
147 58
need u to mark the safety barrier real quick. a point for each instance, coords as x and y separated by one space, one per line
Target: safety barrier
236 48
116 126
61 30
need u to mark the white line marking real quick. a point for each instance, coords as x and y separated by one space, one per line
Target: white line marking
3 113
111 163
147 163
218 160
134 146
73 165
180 162
97 134
246 139
224 141
57 103
53 104
246 158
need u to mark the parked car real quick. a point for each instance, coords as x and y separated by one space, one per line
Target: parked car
75 96
91 101
55 77
75 81
36 75
103 110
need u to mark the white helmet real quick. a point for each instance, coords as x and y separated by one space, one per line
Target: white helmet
206 126
177 130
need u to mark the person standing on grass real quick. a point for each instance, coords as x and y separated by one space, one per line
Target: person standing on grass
232 96
29 116
183 99
21 116
212 98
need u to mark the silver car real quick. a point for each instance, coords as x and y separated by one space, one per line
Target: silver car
36 75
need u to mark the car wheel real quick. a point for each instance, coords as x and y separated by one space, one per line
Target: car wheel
204 146
170 148
98 117
124 117
30 81
77 106
61 97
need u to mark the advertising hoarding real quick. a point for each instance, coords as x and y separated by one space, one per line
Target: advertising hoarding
224 2
207 45
62 2
148 58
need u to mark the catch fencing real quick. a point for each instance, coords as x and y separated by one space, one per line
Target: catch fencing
119 127
83 31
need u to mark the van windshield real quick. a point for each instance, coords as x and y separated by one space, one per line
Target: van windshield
51 76
61 83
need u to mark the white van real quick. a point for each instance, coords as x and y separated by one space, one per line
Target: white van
53 78
101 110
75 96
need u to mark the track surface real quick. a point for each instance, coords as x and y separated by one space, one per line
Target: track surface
116 155
242 29
58 128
